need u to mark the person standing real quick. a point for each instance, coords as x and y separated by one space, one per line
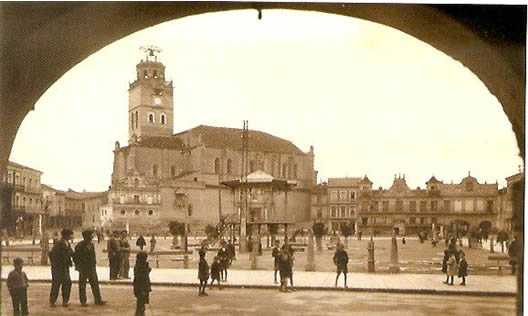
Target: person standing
462 268
60 259
451 268
140 242
275 252
124 254
113 255
231 251
203 273
223 256
341 261
152 243
85 263
17 284
284 267
215 273
142 286
444 265
513 251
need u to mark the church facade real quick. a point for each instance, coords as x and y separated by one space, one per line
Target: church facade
161 176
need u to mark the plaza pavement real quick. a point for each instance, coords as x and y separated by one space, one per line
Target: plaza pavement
482 285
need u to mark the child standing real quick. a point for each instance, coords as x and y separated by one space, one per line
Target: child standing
203 274
142 286
17 284
341 261
462 269
451 268
215 272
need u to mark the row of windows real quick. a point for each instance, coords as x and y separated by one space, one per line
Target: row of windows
388 220
342 211
336 196
253 166
26 202
434 206
151 119
25 181
136 199
137 212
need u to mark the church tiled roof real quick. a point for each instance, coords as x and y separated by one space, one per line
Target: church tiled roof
168 142
223 137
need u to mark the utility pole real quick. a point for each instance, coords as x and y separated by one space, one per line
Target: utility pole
243 190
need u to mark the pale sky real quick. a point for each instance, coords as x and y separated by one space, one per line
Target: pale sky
370 99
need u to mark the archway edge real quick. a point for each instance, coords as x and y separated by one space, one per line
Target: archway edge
51 38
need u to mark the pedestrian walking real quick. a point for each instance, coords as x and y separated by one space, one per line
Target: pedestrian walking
60 259
291 252
285 269
223 255
140 242
513 251
451 268
99 234
231 251
404 241
142 287
463 268
112 247
124 254
152 243
275 252
203 273
215 272
85 262
17 284
341 261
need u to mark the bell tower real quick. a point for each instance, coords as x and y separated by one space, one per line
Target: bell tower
150 99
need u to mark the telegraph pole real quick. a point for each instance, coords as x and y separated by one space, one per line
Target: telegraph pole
243 190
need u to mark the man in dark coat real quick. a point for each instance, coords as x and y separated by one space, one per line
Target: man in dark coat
341 261
113 255
124 254
85 263
275 254
513 252
60 259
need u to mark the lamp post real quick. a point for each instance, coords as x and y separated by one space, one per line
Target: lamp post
370 248
44 238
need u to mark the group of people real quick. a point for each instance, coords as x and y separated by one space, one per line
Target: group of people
218 270
454 263
63 257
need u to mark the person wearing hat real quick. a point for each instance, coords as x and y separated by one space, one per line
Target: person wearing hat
112 246
60 259
203 273
84 258
124 253
142 286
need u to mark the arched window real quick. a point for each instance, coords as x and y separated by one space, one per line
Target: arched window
217 166
229 166
150 212
136 212
272 167
162 118
122 212
284 170
151 118
155 74
173 171
136 182
136 118
154 170
145 74
295 171
132 120
251 166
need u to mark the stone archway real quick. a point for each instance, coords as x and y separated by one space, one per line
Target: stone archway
43 43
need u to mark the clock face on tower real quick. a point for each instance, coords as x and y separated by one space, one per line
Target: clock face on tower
157 101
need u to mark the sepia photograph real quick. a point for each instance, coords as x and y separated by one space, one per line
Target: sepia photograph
262 158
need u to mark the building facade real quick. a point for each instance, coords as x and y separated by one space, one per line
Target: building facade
461 207
27 208
179 176
505 214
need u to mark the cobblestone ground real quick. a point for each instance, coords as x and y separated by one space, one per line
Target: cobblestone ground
185 301
415 257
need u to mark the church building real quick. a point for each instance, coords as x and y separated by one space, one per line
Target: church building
162 175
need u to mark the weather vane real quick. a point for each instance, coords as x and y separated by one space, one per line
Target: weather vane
151 51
